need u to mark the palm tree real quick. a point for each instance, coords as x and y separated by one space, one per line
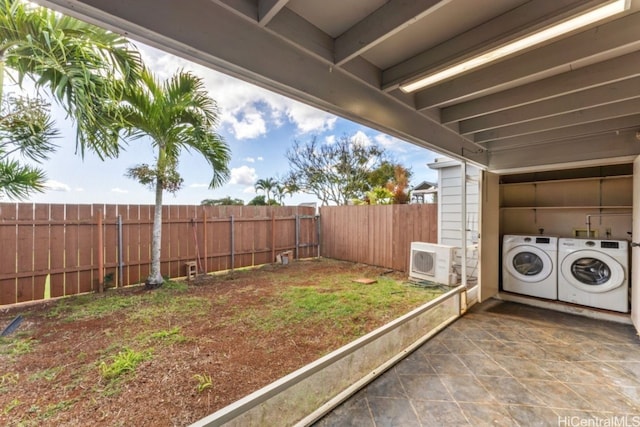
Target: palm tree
77 63
26 130
267 185
281 190
176 114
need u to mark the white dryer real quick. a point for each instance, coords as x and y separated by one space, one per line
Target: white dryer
529 265
594 273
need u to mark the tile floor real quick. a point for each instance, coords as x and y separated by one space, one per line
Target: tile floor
507 364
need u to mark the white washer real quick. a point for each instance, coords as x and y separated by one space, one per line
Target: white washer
594 273
529 265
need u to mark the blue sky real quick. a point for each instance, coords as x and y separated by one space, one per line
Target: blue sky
258 125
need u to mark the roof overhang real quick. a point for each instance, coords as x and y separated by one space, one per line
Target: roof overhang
571 101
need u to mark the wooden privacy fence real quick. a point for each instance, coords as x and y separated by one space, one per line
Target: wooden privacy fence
52 249
377 234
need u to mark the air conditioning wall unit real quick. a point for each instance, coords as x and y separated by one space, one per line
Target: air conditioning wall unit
433 263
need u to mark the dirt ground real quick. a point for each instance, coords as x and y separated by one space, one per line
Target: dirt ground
201 354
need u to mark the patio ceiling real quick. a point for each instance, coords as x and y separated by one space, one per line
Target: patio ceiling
572 101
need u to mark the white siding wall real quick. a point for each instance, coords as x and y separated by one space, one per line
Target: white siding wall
450 211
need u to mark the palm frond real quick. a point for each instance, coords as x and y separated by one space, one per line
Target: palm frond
18 181
80 65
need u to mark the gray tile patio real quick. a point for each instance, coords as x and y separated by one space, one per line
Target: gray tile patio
507 364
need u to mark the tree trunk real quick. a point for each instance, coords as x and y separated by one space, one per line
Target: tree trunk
155 278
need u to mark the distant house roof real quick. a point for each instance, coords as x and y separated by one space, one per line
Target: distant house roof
420 191
424 185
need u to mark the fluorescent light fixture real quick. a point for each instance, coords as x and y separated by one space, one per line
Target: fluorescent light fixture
538 37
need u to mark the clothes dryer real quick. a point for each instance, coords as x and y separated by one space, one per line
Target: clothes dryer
529 265
594 273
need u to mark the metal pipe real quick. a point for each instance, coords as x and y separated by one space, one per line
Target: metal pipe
463 222
601 215
120 255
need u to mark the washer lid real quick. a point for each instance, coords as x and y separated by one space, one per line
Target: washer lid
528 263
592 271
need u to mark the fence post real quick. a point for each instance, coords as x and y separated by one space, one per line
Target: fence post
273 235
120 255
232 245
318 233
297 236
204 231
100 254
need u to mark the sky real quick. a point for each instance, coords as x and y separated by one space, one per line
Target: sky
258 125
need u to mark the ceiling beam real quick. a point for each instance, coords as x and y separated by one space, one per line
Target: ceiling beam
299 32
238 47
498 30
599 96
244 8
619 68
267 9
572 132
593 151
609 111
617 36
386 21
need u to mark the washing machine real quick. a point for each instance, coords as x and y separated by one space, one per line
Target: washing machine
529 265
594 273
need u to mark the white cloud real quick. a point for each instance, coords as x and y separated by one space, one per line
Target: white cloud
246 124
249 190
244 175
79 189
249 159
260 158
361 138
246 110
308 119
57 186
198 185
119 190
390 143
330 140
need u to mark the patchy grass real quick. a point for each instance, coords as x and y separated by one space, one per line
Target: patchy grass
10 406
171 336
173 355
17 346
204 382
124 362
91 306
48 374
336 301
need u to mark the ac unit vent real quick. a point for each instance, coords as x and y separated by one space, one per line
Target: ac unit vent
432 262
424 262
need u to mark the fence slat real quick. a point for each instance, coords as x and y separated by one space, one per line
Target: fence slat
25 251
60 241
8 254
378 235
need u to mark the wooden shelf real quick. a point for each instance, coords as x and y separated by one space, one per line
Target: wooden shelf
562 207
571 180
584 193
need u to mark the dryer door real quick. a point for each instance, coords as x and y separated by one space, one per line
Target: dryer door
592 271
528 263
